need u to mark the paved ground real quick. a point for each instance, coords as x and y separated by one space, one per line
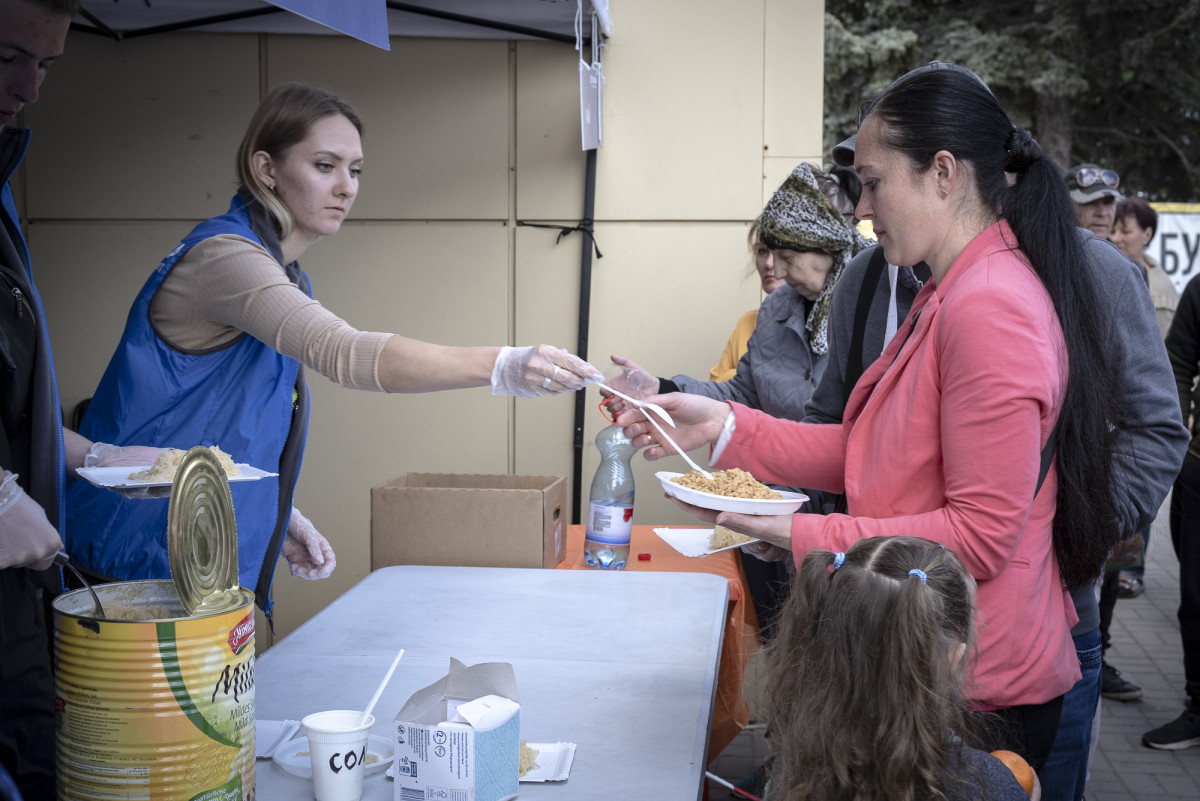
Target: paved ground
1145 649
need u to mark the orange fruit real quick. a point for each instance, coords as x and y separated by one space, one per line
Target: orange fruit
1019 767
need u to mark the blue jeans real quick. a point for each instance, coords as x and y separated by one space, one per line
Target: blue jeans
1065 771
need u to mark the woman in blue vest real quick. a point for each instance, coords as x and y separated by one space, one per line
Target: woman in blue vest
216 343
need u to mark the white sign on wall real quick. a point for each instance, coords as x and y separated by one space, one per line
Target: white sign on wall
1176 243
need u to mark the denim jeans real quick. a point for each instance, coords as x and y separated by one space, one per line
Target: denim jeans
1065 771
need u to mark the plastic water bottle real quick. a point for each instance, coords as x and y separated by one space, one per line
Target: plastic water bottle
610 505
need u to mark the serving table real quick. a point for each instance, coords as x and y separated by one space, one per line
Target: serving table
622 664
648 553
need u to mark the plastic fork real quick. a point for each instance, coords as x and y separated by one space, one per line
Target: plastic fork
654 407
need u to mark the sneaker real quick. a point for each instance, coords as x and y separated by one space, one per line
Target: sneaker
1129 587
1182 732
1114 687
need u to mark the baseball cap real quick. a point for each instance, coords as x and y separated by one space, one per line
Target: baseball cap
1090 182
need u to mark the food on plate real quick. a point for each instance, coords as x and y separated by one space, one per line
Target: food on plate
732 483
528 759
167 465
722 537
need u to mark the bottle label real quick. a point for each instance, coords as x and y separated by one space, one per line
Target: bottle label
611 525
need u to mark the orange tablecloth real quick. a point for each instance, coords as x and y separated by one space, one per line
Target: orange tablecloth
730 713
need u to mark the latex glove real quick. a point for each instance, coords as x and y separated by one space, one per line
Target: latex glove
698 421
537 370
26 537
308 554
102 454
625 376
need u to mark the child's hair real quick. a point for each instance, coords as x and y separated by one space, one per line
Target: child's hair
865 695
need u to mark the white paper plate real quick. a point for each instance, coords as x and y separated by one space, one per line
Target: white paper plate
270 734
693 541
553 762
747 506
293 756
118 477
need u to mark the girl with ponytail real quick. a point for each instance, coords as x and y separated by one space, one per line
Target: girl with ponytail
864 680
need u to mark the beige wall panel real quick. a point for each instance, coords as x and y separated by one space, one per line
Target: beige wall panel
794 77
550 163
396 278
776 170
666 296
436 114
141 129
683 112
88 275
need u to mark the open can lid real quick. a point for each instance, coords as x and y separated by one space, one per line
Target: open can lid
202 535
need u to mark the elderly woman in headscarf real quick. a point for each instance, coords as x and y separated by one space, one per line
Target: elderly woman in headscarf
810 243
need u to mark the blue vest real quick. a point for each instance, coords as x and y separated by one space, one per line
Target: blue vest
43 478
245 397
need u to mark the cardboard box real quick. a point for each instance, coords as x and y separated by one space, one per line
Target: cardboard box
469 520
460 737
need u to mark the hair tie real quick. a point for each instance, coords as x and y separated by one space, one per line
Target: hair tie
1022 149
918 573
839 559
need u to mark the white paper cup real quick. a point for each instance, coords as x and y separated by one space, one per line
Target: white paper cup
337 747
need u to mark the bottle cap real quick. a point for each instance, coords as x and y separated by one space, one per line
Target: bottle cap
202 546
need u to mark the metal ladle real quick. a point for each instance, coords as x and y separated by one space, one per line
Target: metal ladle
63 560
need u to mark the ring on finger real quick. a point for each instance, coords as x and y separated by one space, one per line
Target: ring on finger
555 376
546 383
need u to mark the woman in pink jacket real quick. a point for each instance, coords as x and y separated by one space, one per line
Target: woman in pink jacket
942 437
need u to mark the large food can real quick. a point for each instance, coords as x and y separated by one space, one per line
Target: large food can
154 704
155 691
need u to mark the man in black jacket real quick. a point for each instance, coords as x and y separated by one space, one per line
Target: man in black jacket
1183 346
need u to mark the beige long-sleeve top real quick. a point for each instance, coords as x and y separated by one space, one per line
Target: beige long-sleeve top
227 285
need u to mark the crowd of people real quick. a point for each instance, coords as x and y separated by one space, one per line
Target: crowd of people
971 429
986 434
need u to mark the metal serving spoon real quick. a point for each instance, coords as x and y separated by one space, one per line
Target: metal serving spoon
62 559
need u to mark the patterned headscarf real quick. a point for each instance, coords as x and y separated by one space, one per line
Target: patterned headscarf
799 216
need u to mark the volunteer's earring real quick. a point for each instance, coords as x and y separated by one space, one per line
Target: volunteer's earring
272 188
941 193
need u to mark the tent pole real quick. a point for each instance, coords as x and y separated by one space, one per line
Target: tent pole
581 348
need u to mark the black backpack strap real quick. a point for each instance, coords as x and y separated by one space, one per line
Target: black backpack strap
866 294
1048 455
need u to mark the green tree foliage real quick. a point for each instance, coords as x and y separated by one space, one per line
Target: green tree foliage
1116 83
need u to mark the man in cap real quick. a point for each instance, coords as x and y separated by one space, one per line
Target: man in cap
1094 191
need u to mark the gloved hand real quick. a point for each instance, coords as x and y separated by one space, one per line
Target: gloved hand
308 554
625 376
26 537
533 371
633 380
101 454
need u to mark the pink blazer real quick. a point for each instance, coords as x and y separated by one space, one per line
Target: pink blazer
941 439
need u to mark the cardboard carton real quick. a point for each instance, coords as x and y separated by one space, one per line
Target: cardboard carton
468 520
460 737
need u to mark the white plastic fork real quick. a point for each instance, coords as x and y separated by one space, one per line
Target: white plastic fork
678 449
654 407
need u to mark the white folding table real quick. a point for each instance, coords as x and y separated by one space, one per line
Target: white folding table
623 664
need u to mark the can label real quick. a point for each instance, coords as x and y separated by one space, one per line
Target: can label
611 525
156 709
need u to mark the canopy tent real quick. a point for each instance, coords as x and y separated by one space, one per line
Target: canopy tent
372 21
365 20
